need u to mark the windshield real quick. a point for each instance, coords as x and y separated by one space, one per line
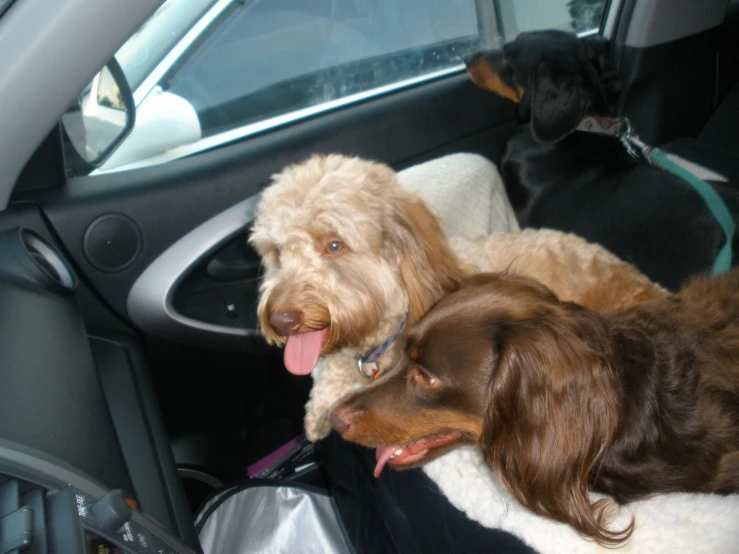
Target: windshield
146 48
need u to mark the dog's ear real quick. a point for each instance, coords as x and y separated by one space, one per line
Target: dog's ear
557 101
428 268
552 411
482 68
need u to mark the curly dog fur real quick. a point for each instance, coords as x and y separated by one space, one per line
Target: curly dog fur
562 399
348 252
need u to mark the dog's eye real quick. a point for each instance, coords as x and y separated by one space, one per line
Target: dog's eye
426 380
334 247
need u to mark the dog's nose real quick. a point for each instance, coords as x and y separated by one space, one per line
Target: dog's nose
339 421
286 322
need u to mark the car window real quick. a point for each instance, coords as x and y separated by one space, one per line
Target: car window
209 72
275 56
582 16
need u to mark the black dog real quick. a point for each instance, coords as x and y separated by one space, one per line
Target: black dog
587 183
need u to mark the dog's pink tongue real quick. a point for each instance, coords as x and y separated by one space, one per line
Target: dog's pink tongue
383 455
303 350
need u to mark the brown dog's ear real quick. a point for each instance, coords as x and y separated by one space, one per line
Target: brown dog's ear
552 412
557 101
428 268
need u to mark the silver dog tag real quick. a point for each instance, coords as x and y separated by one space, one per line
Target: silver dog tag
367 369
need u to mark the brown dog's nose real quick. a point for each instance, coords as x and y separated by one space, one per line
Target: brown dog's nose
286 322
340 421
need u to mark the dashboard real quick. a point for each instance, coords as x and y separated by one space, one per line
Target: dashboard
47 506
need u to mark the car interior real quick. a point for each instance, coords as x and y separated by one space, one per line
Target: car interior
133 379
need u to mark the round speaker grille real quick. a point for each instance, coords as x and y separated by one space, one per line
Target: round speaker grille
112 242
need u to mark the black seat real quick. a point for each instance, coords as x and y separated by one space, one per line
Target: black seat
402 511
721 131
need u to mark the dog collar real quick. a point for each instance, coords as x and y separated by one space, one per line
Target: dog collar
367 364
620 128
613 126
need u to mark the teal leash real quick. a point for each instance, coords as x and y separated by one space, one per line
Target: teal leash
620 127
718 208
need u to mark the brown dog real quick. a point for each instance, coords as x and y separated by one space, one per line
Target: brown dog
562 399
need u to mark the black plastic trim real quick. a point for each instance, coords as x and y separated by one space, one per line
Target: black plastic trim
50 393
27 259
140 430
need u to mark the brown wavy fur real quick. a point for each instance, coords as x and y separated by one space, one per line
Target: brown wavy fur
568 400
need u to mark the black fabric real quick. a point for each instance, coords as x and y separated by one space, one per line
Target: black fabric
722 128
402 511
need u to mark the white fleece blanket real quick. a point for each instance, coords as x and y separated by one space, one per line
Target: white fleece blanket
467 193
665 524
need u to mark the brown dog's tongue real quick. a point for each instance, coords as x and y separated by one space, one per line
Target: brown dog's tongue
383 455
413 452
303 350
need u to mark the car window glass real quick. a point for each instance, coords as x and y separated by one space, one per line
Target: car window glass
582 16
209 72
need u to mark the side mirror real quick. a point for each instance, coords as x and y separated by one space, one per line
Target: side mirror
103 117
